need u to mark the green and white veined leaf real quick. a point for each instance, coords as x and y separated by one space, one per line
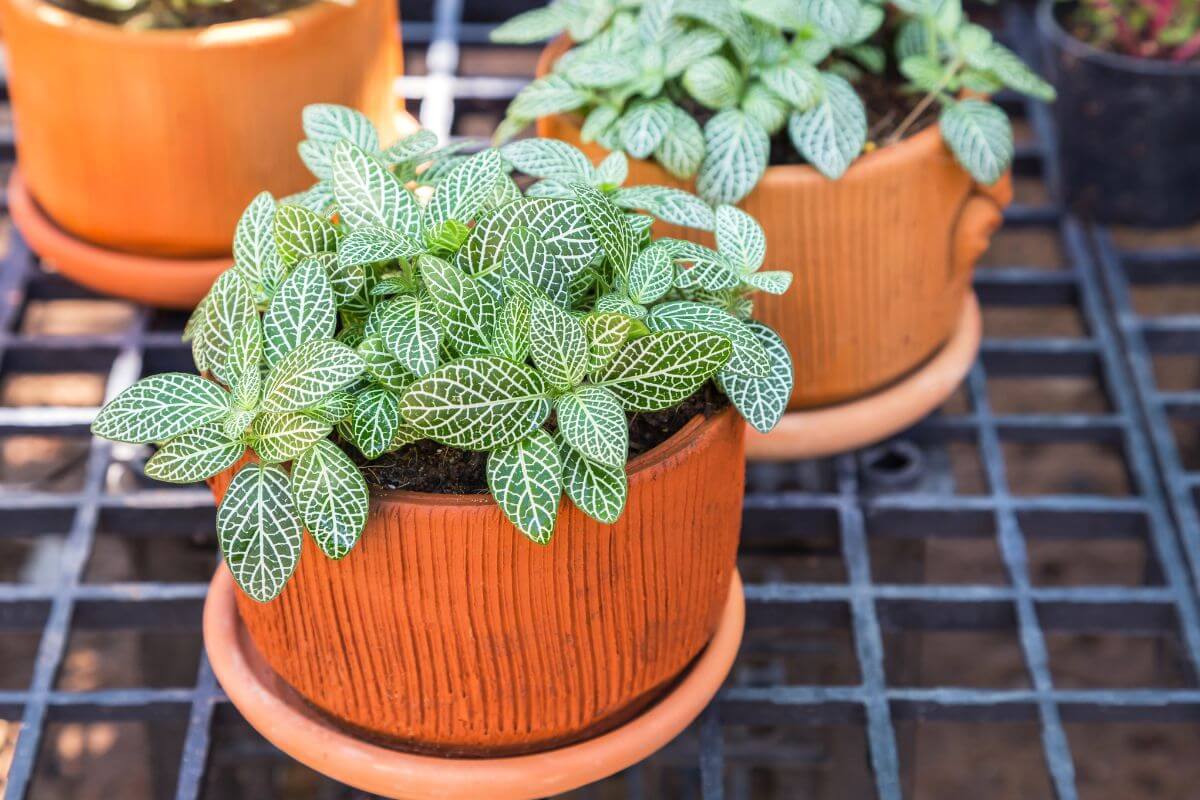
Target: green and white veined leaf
331 497
619 303
662 369
558 344
466 309
329 123
414 147
681 151
382 365
740 239
713 82
748 357
924 72
301 311
561 224
654 21
608 225
550 159
477 403
548 188
254 239
591 419
1014 73
244 361
797 82
346 280
601 71
531 26
831 134
526 479
230 308
980 136
305 376
412 331
367 193
511 336
300 234
607 332
836 18
690 46
527 258
765 107
709 269
334 408
762 401
725 17
643 127
670 205
590 20
235 423
161 407
772 281
375 420
652 275
374 244
281 437
777 13
318 157
259 531
596 490
553 94
612 171
736 149
464 190
195 455
597 122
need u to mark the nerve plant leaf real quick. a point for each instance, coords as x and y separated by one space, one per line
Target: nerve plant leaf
980 136
280 437
301 311
832 133
367 193
597 490
525 477
161 407
259 532
300 233
331 497
558 344
308 374
194 456
762 401
592 421
662 369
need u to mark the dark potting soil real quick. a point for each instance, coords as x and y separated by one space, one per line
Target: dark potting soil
427 466
162 15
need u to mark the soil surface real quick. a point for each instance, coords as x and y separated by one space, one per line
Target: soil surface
163 14
427 466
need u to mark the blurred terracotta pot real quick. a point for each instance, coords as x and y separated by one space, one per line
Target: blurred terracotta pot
153 142
445 631
882 258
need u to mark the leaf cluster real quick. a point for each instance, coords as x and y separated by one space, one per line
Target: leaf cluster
521 324
642 70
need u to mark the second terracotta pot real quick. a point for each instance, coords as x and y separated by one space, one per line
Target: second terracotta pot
153 142
882 258
445 631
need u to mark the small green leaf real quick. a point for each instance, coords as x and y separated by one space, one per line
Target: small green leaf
681 151
774 281
329 123
305 376
530 27
466 309
740 239
670 205
559 346
980 136
375 421
334 408
1013 72
748 357
608 225
477 403
713 83
797 82
161 407
762 401
259 532
663 369
281 437
549 159
837 18
464 190
254 253
592 421
382 365
331 497
651 276
832 133
446 237
613 170
230 310
526 257
765 107
511 337
411 330
607 332
300 234
301 311
194 456
595 489
367 193
736 150
552 94
526 479
643 127
373 244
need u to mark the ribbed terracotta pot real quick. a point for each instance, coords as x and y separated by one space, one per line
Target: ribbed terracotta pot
153 142
882 257
445 631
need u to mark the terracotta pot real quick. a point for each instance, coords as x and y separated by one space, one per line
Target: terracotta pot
882 257
154 141
445 631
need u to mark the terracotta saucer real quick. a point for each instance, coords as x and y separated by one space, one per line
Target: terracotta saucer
277 712
858 423
150 280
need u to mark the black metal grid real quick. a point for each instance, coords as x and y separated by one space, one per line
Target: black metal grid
846 598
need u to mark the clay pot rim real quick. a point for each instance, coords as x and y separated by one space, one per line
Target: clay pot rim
922 145
1049 27
240 33
694 433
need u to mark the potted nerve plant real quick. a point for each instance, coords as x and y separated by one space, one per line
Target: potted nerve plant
857 132
1130 69
417 384
190 107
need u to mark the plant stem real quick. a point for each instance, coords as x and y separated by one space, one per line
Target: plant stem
926 101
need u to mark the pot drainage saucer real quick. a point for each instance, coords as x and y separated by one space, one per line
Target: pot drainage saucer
278 713
858 423
151 280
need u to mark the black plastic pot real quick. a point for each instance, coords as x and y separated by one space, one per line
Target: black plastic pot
1128 130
